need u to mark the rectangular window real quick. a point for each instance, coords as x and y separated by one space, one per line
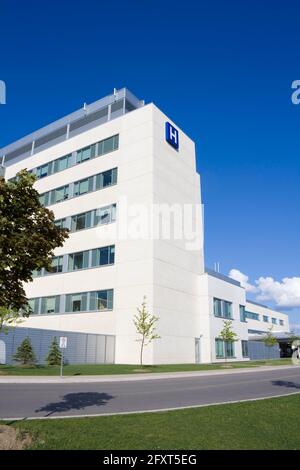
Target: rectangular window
105 215
242 313
265 318
76 302
222 308
103 256
86 153
274 321
34 305
61 223
224 347
59 194
219 348
78 260
245 348
229 346
81 221
57 265
43 170
44 198
101 300
37 273
252 316
107 178
62 163
50 304
83 186
281 322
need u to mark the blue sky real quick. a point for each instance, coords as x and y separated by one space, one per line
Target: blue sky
221 70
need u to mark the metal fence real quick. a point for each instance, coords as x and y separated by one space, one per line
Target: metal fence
82 348
258 350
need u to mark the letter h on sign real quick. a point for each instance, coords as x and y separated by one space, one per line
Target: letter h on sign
172 136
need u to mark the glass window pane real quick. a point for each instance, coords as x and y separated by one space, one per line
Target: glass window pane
108 145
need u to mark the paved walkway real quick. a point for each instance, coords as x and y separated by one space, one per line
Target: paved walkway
15 379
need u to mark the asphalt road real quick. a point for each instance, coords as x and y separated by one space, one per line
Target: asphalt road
53 400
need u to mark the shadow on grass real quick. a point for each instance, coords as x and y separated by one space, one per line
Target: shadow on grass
75 401
286 383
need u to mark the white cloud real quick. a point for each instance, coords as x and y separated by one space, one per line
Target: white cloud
243 279
284 293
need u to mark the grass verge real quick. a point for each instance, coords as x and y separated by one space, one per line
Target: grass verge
264 424
107 369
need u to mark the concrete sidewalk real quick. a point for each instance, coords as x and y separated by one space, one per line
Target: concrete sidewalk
134 377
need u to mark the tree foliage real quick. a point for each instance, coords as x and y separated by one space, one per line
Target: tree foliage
28 237
269 338
25 353
145 326
54 355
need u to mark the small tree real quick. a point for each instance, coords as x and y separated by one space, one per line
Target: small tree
54 354
145 326
269 340
25 353
227 335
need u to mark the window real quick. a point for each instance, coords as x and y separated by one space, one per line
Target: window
62 163
81 221
103 256
61 223
242 313
281 322
37 273
57 265
59 194
76 302
245 348
78 260
265 318
101 300
86 153
107 178
44 198
274 321
83 186
43 170
108 145
224 347
50 304
222 308
252 316
34 305
105 215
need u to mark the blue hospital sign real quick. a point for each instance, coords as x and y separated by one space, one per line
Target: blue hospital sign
172 136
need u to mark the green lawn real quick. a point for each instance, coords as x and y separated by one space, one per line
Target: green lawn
265 424
105 369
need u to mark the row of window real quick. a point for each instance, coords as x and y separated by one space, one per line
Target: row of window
103 215
225 349
82 155
223 308
84 186
79 302
80 260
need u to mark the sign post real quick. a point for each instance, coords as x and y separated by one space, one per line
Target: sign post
63 340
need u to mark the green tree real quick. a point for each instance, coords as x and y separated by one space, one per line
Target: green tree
28 237
269 340
8 318
25 353
54 354
227 335
145 327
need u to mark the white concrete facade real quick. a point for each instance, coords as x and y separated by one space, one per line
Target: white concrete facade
172 276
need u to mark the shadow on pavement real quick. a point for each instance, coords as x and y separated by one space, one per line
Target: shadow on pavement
76 401
285 383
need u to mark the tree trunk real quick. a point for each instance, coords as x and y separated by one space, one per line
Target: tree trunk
142 347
